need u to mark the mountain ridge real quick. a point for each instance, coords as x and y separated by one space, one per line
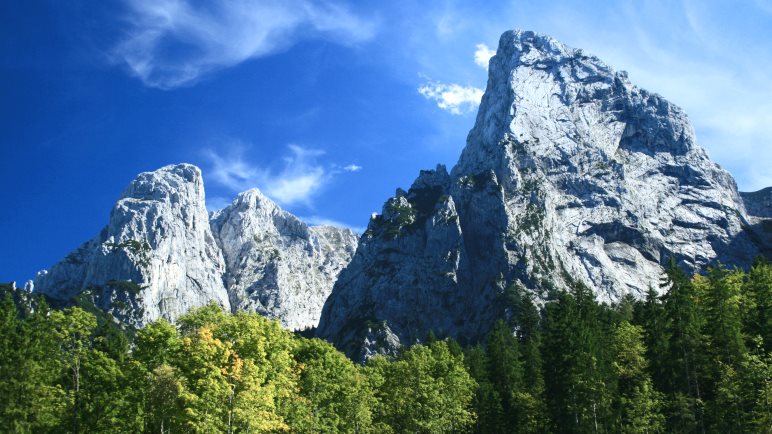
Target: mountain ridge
571 173
162 254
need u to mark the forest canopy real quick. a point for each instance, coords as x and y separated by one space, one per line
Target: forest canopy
693 356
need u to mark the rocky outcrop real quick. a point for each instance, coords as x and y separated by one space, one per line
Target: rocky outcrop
160 255
758 204
157 256
571 173
277 265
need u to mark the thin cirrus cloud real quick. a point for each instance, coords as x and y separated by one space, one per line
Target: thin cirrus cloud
173 43
455 98
299 179
322 221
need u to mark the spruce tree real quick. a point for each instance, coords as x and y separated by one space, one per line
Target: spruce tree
682 374
638 404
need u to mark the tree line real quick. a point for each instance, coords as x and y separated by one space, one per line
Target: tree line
692 357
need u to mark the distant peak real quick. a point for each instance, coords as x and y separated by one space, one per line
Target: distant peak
531 39
530 48
253 197
164 182
187 171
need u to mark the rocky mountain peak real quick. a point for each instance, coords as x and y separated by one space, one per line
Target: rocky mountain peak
277 265
162 254
570 173
167 183
156 257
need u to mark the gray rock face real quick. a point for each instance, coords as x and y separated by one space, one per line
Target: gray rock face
277 265
570 170
160 255
157 256
759 207
759 203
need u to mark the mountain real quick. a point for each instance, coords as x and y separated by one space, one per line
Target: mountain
570 173
276 264
161 255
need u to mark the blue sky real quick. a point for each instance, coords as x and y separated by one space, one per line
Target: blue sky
326 107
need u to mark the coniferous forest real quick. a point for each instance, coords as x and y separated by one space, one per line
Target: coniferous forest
694 356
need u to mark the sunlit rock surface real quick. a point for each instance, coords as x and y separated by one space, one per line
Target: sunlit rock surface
570 173
157 256
160 256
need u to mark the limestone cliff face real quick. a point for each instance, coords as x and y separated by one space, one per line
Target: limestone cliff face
160 255
277 265
570 170
157 256
759 207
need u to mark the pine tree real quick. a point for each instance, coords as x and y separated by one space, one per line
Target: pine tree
682 374
578 396
639 405
534 417
758 290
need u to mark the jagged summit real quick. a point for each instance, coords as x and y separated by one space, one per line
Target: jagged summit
162 254
569 170
276 264
155 258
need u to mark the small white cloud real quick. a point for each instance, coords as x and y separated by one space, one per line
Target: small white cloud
453 98
173 43
352 168
298 181
482 55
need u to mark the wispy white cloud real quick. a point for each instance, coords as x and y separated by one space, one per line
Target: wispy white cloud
453 98
483 55
352 168
322 221
300 178
172 43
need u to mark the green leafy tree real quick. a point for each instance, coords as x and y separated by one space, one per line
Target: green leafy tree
336 389
425 390
165 405
74 329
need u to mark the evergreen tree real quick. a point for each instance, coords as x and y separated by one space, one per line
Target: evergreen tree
534 416
578 396
758 290
638 404
649 314
487 401
682 374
